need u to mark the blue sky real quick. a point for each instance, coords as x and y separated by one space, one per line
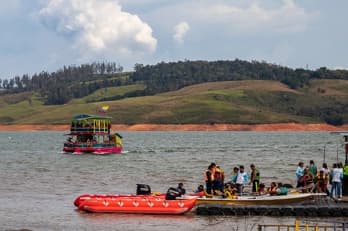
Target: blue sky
45 35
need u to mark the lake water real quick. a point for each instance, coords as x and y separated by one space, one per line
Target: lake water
38 183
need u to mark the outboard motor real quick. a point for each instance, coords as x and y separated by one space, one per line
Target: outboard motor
172 193
143 189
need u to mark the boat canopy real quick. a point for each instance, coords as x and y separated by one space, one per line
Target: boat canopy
87 116
90 123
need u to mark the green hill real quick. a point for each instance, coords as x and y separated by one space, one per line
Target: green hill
245 101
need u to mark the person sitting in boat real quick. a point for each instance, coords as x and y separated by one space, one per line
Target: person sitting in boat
230 192
262 189
199 189
281 190
272 190
181 189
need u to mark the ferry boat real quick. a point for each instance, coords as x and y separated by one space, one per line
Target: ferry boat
92 134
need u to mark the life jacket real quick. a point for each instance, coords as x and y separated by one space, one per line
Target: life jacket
257 177
345 170
217 175
321 179
308 179
230 195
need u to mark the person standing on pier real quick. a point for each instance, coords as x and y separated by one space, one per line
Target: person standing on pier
299 174
336 182
313 168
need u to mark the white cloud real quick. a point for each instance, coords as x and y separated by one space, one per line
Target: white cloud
248 17
180 31
99 27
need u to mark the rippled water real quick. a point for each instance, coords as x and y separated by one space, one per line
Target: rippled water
38 183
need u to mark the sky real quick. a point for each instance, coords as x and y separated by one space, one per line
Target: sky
45 35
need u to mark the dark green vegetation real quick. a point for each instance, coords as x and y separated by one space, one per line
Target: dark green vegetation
179 93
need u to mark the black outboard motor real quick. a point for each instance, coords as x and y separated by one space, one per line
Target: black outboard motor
172 193
143 189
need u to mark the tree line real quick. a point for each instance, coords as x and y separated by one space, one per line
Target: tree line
67 83
74 81
164 77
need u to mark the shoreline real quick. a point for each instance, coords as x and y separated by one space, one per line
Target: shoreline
189 127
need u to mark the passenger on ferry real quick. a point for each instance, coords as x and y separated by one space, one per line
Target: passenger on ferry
219 177
181 188
299 174
209 177
254 178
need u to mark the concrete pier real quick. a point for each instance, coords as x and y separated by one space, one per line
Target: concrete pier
327 209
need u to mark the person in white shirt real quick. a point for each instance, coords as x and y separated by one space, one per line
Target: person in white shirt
299 174
336 181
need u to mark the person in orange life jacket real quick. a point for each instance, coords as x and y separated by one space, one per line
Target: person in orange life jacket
219 177
209 177
273 189
321 182
307 179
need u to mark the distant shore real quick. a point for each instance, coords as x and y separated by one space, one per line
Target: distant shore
189 127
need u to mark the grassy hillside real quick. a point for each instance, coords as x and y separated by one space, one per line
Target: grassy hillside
248 102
